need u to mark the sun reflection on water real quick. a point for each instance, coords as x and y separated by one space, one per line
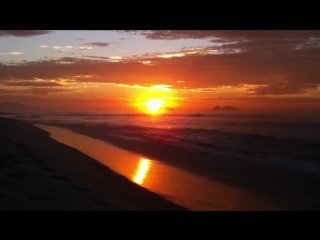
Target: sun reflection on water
142 171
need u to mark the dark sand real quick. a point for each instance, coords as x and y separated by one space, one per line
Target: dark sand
39 173
175 184
290 190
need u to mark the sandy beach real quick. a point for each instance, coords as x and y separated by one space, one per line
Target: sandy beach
39 173
160 120
286 189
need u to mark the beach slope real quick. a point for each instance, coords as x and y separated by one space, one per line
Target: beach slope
39 173
286 188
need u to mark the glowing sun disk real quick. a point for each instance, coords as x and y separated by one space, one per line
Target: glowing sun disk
154 105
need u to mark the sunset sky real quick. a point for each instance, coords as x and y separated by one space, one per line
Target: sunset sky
191 70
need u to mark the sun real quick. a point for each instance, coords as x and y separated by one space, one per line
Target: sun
154 105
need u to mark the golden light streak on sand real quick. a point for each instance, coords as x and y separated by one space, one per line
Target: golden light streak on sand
142 171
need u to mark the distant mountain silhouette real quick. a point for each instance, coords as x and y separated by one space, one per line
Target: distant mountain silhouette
216 108
226 108
229 108
12 107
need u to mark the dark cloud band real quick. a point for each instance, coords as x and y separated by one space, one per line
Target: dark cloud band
23 33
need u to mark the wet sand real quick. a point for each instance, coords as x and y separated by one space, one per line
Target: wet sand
285 189
175 184
38 173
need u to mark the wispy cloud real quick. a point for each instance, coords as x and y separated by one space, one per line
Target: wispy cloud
32 84
85 48
96 57
62 48
23 33
169 55
44 46
11 53
223 34
116 57
269 64
47 91
98 44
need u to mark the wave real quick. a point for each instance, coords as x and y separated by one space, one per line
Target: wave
205 141
261 124
248 137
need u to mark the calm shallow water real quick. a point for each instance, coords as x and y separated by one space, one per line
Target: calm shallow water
184 188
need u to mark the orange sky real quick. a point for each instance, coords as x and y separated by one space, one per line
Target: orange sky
191 71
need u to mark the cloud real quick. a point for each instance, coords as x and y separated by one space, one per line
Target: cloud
62 48
185 52
46 91
98 44
116 57
11 53
223 34
31 83
169 55
23 33
228 70
44 46
84 48
96 57
281 88
266 99
173 34
270 63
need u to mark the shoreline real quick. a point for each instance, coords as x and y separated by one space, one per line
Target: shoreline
181 187
39 173
292 190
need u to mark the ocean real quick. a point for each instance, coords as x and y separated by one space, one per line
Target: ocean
286 141
280 139
302 126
